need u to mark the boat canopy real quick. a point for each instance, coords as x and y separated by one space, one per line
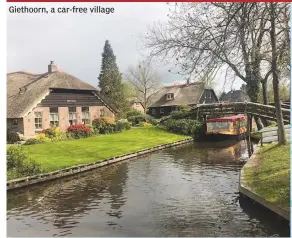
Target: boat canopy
232 118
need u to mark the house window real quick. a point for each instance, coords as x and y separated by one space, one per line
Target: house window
38 120
153 111
169 96
85 115
102 112
54 117
72 116
161 110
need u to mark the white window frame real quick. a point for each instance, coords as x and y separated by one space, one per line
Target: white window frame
72 116
85 116
169 96
54 117
38 120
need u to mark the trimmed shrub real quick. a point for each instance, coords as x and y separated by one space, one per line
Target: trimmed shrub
136 117
179 114
34 141
123 124
152 120
79 131
60 137
52 132
127 125
119 126
18 163
12 136
104 125
184 126
133 113
184 108
136 120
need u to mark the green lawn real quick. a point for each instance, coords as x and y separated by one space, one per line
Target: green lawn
270 177
57 155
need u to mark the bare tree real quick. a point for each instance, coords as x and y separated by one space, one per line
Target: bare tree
145 81
276 53
205 36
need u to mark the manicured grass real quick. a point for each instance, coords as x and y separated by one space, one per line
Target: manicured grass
57 155
270 177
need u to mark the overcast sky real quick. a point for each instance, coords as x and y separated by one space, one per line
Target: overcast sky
75 41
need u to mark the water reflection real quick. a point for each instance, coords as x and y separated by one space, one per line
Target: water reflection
187 191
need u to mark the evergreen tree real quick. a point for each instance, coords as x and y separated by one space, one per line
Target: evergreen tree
110 78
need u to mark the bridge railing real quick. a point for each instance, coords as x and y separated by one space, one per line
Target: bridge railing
254 109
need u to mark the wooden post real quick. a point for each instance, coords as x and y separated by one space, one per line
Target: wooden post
250 123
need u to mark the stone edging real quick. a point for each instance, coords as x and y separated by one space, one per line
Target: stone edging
39 178
246 191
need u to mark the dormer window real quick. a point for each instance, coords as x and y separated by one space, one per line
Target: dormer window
169 96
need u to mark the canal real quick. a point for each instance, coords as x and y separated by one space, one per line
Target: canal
191 190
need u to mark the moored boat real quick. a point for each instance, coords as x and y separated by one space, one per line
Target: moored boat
233 127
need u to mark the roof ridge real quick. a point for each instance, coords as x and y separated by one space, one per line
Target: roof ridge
26 72
184 84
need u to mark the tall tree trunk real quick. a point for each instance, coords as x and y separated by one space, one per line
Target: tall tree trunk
280 122
265 93
253 89
265 101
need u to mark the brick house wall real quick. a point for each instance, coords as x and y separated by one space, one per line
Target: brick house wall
26 126
138 106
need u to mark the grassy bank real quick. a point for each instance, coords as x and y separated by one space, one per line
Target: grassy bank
270 175
56 155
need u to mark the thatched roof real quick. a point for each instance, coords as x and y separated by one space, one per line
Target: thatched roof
184 94
235 96
25 90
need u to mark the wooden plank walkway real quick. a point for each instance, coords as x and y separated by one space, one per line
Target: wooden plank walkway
271 134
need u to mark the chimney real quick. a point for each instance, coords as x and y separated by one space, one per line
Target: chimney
52 67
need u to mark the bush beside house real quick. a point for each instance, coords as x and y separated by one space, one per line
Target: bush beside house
179 122
136 118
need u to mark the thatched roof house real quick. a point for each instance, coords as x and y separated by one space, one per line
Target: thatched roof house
28 93
169 98
235 96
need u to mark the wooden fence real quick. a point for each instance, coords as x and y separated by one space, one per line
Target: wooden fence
249 108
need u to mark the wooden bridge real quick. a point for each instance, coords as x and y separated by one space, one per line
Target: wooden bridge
248 108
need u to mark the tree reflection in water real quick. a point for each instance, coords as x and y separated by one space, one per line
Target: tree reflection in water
191 190
71 198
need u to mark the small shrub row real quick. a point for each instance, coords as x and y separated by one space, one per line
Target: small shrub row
183 126
103 125
54 134
106 125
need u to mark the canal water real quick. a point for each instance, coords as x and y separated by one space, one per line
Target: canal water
191 190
